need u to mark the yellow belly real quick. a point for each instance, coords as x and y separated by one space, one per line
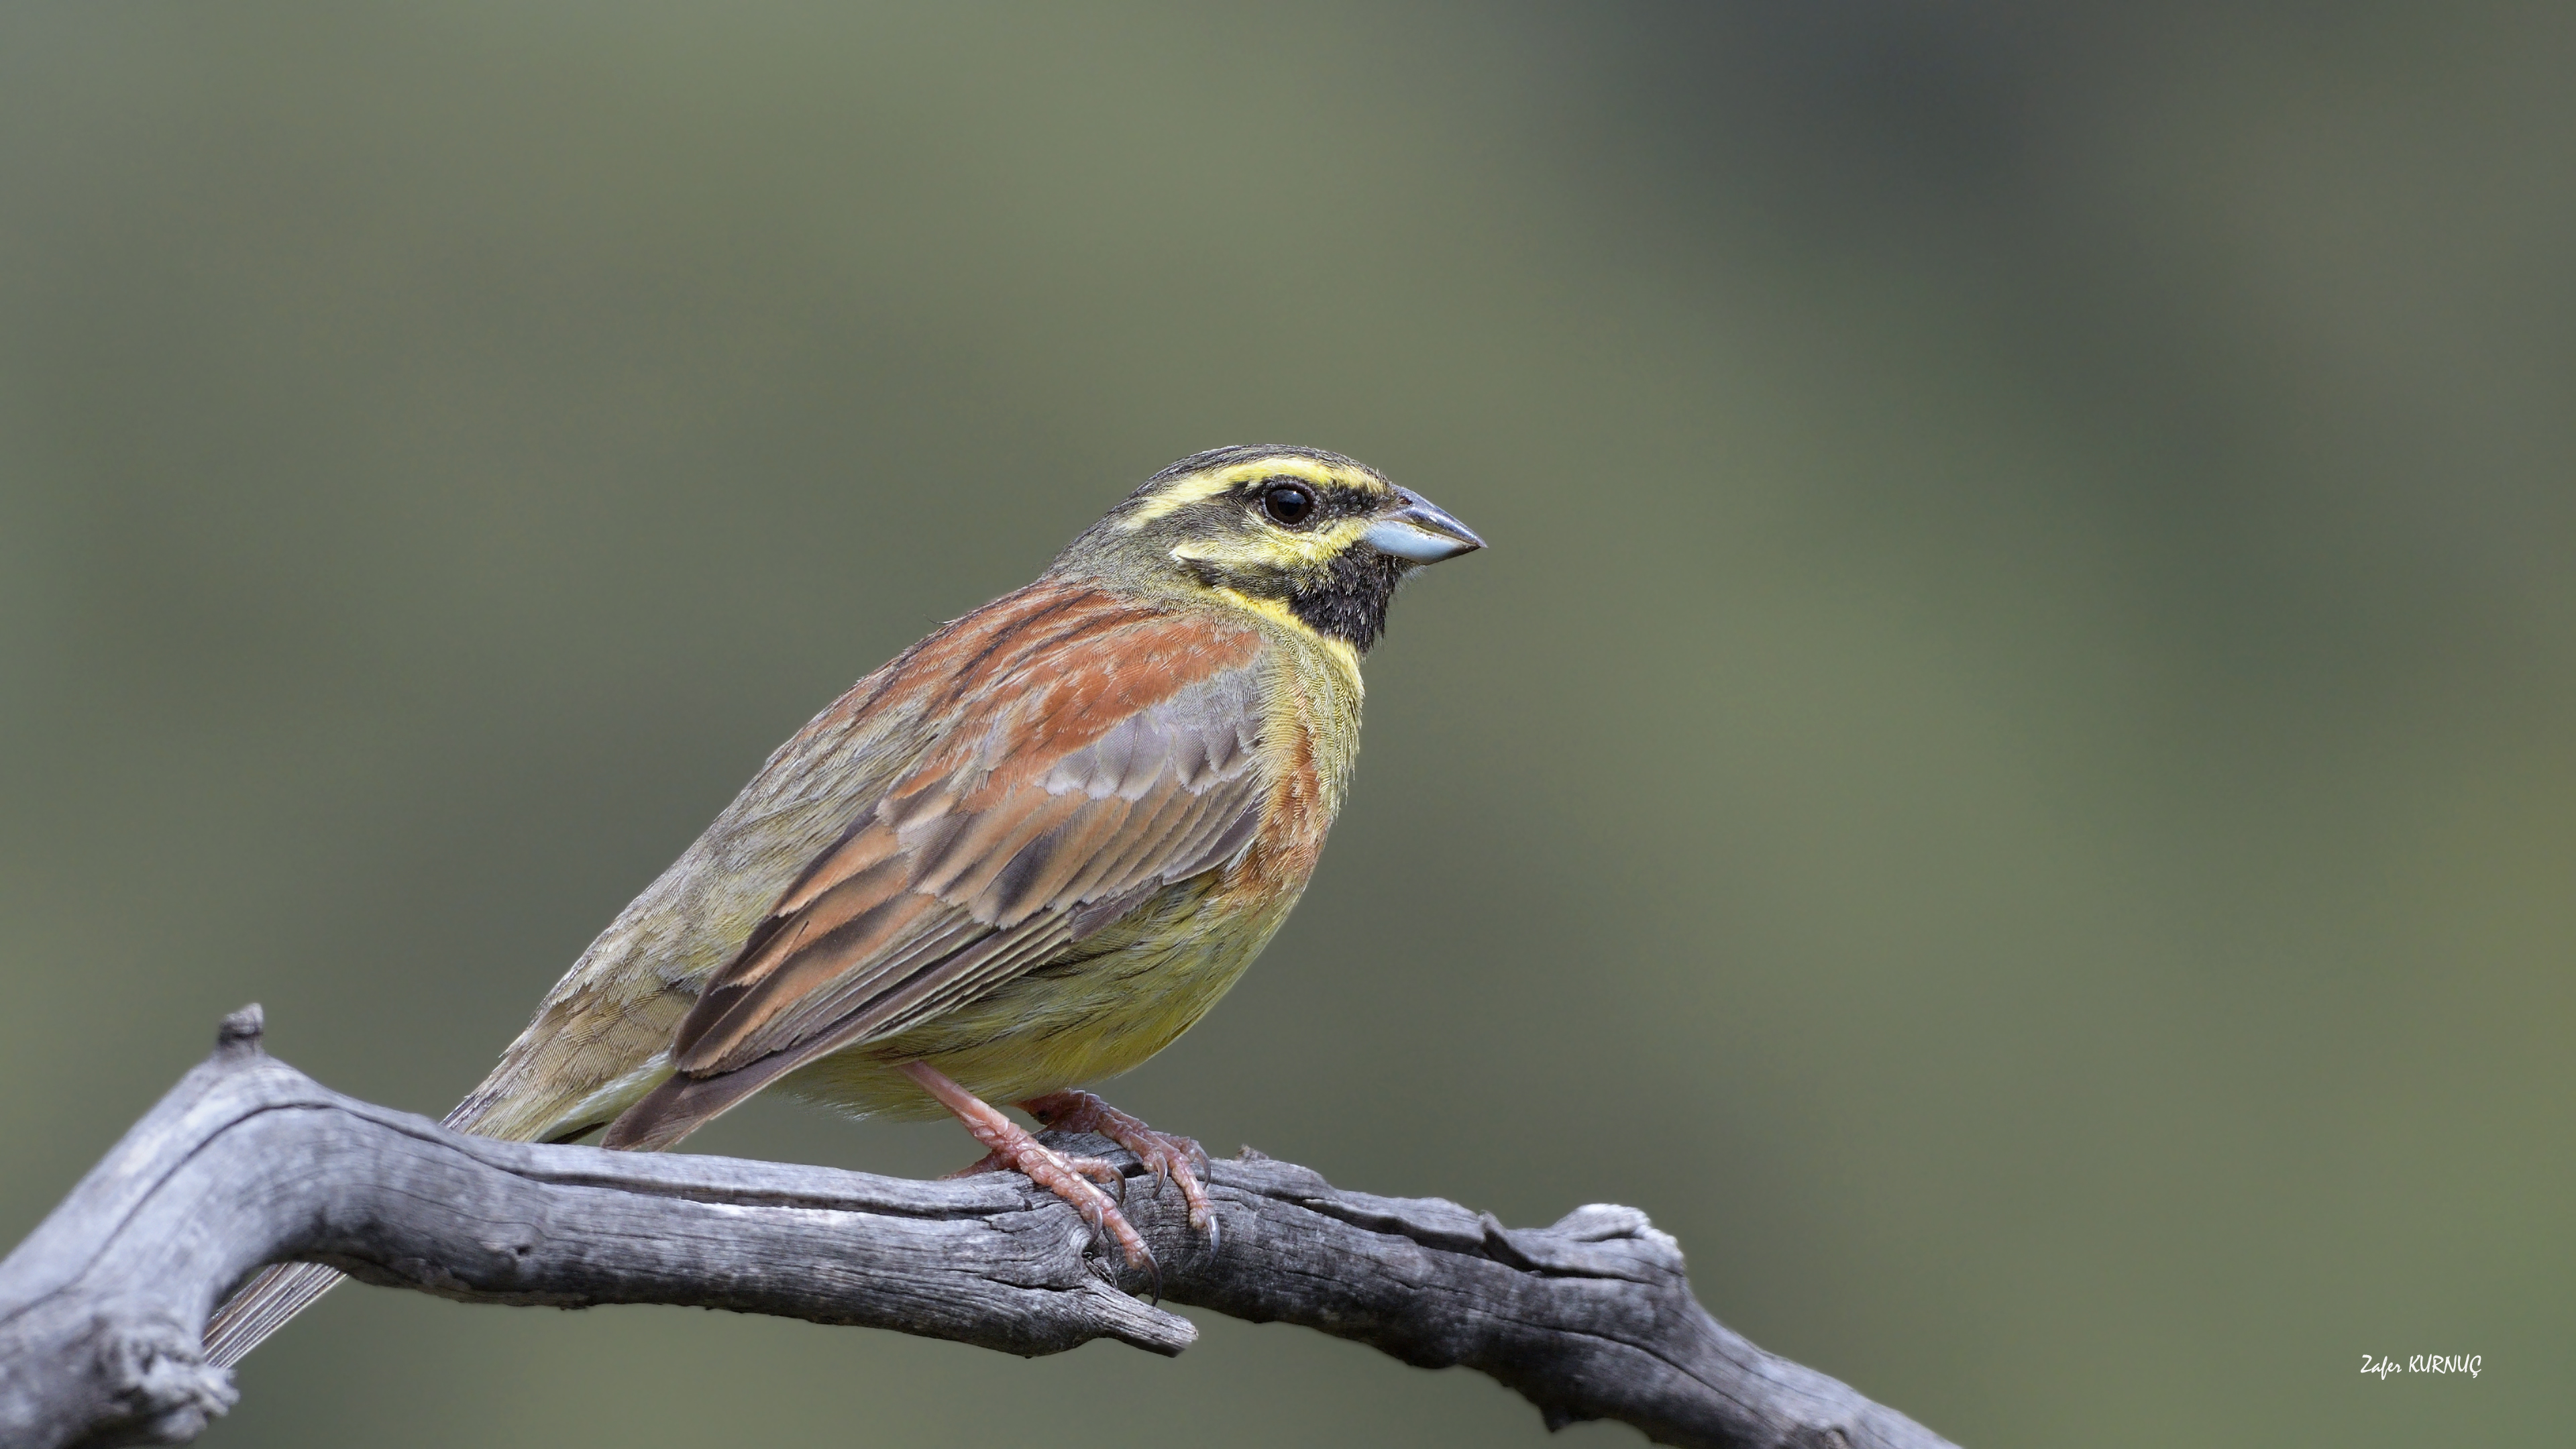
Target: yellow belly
1108 1004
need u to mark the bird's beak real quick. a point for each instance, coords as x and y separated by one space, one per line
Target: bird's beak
1420 531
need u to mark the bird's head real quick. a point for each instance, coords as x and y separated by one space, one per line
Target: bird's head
1298 531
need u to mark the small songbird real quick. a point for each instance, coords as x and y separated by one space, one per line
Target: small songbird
1025 855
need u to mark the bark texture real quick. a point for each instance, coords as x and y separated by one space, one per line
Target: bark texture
248 1162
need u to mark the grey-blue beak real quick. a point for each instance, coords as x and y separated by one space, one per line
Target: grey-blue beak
1420 531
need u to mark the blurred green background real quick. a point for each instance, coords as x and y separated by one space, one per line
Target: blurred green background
2010 775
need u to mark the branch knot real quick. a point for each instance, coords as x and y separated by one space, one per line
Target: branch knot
239 1034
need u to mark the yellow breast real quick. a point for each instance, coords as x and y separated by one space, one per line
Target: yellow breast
1123 994
1103 1008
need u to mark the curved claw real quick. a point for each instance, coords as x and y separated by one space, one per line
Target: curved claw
1104 1173
1170 1157
1009 1146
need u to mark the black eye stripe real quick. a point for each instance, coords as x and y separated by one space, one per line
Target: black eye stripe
1332 500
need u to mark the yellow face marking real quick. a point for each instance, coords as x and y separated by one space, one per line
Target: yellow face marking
1192 488
1275 548
1344 657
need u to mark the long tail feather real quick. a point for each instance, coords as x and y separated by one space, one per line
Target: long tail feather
280 1291
275 1294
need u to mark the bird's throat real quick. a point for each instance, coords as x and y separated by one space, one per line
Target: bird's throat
1348 601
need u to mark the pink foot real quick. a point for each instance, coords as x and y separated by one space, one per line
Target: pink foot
1009 1147
1170 1158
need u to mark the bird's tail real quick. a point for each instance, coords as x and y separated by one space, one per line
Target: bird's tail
274 1294
280 1291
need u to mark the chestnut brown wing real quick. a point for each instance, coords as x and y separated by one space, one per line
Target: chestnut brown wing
1089 782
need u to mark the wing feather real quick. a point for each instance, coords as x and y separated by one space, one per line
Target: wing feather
1121 762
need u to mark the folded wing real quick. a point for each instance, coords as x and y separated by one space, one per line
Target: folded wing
1079 792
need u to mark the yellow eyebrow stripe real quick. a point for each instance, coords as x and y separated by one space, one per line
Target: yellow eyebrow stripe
1181 492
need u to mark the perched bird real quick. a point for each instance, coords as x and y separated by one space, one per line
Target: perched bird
1027 854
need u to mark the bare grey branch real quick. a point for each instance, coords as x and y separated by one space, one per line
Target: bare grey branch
248 1162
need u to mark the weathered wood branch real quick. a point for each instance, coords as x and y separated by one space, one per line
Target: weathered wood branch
248 1162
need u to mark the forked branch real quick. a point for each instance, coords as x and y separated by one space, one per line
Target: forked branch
248 1161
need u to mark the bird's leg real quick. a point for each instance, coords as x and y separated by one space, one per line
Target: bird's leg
1009 1147
1170 1158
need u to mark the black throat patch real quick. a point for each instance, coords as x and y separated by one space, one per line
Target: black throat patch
1349 601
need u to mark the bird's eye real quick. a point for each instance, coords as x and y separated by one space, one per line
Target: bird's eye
1289 503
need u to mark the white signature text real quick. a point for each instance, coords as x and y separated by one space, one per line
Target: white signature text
2424 1363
